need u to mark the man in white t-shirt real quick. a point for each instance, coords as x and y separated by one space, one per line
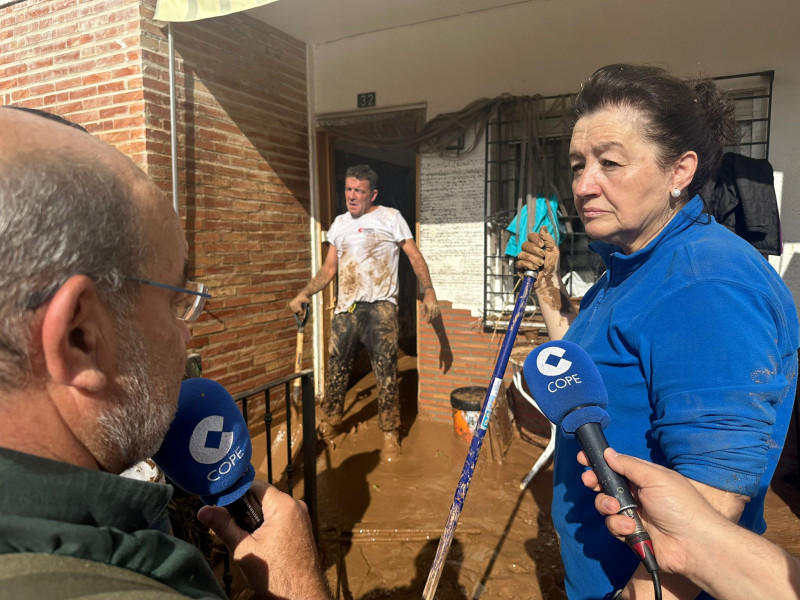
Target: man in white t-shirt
365 247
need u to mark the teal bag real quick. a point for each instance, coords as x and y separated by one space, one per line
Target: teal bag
542 219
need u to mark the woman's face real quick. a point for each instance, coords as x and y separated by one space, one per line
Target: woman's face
621 194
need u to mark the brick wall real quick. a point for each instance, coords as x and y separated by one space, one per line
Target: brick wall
454 353
243 150
244 183
80 59
457 352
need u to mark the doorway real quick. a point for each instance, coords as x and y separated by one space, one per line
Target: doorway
344 140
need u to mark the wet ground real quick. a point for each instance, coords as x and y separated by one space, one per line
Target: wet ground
380 521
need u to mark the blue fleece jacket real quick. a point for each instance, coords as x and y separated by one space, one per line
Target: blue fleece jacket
696 339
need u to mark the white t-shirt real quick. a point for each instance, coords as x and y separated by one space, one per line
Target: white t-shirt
368 252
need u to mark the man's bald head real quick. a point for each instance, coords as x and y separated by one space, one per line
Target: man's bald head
68 205
47 115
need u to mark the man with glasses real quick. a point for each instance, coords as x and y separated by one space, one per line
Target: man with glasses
94 301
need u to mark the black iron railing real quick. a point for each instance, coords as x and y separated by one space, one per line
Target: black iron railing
309 439
308 448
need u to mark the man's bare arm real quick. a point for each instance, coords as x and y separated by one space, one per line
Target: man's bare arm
430 305
323 277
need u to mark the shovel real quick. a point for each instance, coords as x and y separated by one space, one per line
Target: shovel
298 355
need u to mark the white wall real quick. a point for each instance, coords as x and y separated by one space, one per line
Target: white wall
549 47
451 228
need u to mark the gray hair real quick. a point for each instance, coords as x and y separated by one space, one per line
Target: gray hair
60 217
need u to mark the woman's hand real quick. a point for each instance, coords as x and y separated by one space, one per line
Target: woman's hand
540 253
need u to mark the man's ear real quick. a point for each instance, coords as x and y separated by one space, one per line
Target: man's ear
76 336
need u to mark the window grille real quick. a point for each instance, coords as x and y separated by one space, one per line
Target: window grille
752 98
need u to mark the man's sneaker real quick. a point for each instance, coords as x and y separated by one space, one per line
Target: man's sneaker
391 446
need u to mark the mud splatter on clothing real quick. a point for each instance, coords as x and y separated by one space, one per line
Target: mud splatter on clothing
368 250
375 325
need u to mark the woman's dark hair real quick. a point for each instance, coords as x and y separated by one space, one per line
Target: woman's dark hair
681 114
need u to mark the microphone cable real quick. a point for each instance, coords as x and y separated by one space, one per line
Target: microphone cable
640 543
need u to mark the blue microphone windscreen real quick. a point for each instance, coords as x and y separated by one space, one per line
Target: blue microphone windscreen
207 449
564 382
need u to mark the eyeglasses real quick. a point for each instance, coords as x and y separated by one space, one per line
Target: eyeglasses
188 306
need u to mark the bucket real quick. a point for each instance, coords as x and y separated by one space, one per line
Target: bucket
466 403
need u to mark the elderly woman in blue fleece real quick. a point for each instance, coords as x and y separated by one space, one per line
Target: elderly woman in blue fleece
694 333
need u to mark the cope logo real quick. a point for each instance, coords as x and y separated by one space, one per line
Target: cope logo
551 362
198 447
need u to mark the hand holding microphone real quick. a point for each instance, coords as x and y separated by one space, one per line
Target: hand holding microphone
670 505
570 392
207 452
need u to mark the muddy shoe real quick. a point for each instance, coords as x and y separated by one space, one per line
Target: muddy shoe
328 430
391 446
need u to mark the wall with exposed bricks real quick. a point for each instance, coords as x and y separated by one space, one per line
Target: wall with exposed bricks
242 158
81 60
454 352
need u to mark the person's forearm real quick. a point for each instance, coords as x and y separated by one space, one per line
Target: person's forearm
725 508
317 283
557 310
732 563
422 272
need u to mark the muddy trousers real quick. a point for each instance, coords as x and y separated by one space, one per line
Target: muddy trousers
375 325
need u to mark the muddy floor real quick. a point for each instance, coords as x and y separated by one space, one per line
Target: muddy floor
380 522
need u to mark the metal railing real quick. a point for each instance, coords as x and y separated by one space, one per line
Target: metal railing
309 438
308 446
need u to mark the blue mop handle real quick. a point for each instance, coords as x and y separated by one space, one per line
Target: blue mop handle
477 438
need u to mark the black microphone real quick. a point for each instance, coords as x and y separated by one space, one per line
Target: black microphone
569 390
207 451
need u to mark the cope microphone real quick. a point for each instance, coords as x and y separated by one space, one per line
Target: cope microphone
207 451
569 390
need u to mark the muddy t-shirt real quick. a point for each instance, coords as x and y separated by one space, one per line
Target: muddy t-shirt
368 252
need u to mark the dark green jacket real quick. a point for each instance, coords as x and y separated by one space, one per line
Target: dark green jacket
52 508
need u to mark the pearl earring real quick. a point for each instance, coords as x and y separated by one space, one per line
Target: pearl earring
675 193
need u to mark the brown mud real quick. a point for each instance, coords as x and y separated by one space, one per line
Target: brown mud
380 522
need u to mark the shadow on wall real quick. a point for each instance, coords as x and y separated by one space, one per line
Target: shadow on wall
791 275
786 482
247 81
243 159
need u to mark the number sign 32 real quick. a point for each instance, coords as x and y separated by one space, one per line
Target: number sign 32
366 100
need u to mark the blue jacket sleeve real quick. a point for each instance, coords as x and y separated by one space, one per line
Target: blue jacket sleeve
711 352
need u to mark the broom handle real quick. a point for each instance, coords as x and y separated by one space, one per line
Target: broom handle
477 438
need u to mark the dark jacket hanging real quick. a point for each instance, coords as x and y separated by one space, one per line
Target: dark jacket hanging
742 198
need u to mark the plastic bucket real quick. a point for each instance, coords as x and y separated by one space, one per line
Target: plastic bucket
466 403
